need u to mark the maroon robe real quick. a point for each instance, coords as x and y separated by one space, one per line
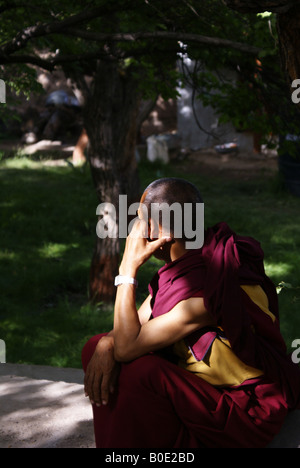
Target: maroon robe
216 272
160 405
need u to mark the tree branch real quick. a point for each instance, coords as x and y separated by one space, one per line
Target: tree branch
64 27
39 30
30 59
174 36
258 6
50 64
9 49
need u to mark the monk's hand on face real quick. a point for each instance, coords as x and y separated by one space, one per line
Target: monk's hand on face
138 249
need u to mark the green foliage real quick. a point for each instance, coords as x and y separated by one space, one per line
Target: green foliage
154 61
250 92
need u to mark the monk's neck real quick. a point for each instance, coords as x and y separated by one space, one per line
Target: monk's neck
177 250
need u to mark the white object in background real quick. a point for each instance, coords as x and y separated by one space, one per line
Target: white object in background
2 352
2 92
157 149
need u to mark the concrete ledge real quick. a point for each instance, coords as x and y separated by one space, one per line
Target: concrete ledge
55 374
45 407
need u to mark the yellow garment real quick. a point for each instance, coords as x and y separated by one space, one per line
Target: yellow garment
259 297
221 366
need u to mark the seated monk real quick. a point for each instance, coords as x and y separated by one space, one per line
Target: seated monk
202 363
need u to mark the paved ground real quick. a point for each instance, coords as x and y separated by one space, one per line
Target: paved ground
45 407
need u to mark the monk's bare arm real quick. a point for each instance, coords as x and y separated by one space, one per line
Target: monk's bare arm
133 339
145 310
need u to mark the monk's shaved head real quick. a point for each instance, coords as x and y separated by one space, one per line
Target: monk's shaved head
171 190
174 191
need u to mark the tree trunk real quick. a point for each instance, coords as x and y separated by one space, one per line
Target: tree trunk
110 122
288 25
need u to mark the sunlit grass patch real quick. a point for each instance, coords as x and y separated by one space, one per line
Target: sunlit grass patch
277 270
54 250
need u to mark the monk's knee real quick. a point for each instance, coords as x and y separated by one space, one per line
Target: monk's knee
89 349
142 371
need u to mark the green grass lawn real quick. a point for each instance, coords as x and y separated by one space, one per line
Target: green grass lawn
48 222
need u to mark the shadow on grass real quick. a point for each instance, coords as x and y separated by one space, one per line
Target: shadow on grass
48 225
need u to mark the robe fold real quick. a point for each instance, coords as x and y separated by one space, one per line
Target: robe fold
226 386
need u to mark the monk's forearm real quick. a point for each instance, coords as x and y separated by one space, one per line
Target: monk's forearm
127 325
126 321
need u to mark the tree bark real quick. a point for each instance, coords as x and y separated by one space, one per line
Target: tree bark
288 25
110 122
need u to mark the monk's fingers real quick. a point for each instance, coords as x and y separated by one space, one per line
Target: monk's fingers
139 230
105 388
154 229
92 383
88 381
156 244
95 395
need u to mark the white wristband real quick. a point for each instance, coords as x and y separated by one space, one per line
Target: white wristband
125 279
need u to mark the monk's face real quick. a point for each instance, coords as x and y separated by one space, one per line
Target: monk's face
155 232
